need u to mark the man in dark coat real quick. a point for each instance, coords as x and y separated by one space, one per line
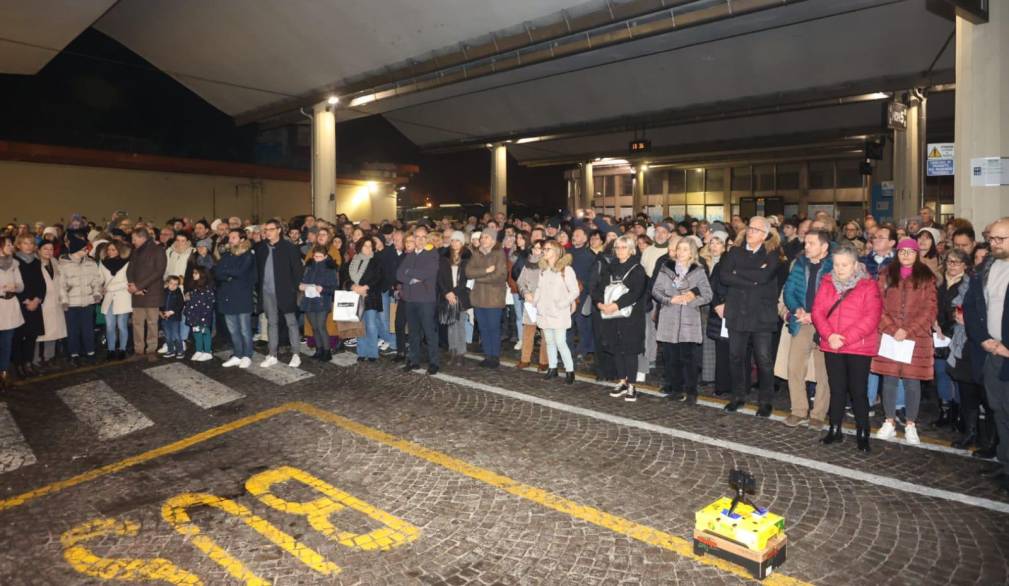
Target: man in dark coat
986 320
280 269
750 274
145 274
582 261
418 273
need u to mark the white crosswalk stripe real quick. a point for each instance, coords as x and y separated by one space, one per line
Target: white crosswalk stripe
279 374
14 451
103 410
193 385
344 359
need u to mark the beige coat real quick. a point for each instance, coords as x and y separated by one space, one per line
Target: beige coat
10 311
117 296
81 281
52 312
556 295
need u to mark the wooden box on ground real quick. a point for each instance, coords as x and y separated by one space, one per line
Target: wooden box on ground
760 563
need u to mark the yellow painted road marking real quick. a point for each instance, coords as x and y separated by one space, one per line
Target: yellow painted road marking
175 511
637 531
81 559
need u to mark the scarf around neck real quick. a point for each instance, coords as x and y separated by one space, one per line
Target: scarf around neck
842 286
357 267
114 264
26 258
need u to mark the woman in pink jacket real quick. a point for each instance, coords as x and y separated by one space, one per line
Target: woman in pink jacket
846 314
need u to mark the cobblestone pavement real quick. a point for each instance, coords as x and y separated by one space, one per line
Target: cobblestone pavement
188 473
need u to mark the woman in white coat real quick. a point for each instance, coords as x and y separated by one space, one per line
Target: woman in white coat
117 305
554 300
52 312
10 308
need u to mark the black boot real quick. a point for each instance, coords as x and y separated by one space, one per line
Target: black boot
551 373
943 419
569 378
318 353
20 369
987 438
969 437
834 436
862 437
326 356
955 420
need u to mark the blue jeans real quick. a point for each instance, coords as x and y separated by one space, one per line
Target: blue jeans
488 319
240 330
383 331
81 330
583 325
874 390
944 384
519 310
116 330
173 335
469 327
6 346
367 346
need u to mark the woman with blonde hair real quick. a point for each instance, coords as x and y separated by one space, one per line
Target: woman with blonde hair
117 303
618 294
555 300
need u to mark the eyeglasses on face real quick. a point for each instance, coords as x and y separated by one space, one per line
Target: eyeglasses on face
997 240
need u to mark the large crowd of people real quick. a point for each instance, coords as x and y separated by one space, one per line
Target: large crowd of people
854 318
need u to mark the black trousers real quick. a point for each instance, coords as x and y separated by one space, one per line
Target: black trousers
422 323
23 346
625 366
848 375
723 372
401 315
680 363
740 366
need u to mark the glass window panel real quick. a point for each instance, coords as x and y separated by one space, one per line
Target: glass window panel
627 184
653 182
695 180
607 183
696 211
715 213
821 174
788 176
677 181
715 180
764 177
742 180
848 174
677 212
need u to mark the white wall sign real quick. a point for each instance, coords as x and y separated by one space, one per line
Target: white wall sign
989 171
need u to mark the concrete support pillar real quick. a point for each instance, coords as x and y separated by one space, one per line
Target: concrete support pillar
638 197
572 199
588 187
907 165
498 178
324 162
982 112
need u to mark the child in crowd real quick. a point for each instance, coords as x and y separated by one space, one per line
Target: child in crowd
171 317
199 311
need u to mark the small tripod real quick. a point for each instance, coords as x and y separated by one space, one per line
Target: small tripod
744 484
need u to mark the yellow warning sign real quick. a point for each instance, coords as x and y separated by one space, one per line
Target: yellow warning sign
934 153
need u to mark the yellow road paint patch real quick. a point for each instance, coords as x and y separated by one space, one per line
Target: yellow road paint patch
637 531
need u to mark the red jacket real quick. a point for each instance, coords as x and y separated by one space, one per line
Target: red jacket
856 318
914 310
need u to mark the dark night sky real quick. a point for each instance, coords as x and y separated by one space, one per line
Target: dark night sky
98 94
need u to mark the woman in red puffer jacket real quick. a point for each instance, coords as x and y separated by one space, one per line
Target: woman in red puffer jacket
846 313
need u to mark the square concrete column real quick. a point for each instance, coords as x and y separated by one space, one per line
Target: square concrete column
638 196
324 162
982 112
588 187
907 162
498 178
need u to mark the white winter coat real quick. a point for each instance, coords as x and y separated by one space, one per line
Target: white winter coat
10 309
52 312
117 297
177 262
556 295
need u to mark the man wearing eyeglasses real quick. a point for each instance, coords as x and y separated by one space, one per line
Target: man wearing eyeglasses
280 270
750 272
986 318
881 253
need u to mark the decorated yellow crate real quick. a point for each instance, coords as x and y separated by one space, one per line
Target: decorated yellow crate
749 526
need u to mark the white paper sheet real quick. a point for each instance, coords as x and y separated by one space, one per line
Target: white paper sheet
530 310
890 348
470 283
725 330
312 292
940 341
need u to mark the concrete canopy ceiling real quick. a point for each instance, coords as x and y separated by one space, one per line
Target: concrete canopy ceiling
33 31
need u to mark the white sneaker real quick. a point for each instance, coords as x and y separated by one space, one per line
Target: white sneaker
887 431
196 357
268 362
206 356
245 362
163 349
233 361
641 377
911 435
383 345
350 342
295 361
518 345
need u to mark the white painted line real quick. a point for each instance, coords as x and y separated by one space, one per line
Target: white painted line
279 374
705 402
192 385
14 451
841 471
344 359
103 410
